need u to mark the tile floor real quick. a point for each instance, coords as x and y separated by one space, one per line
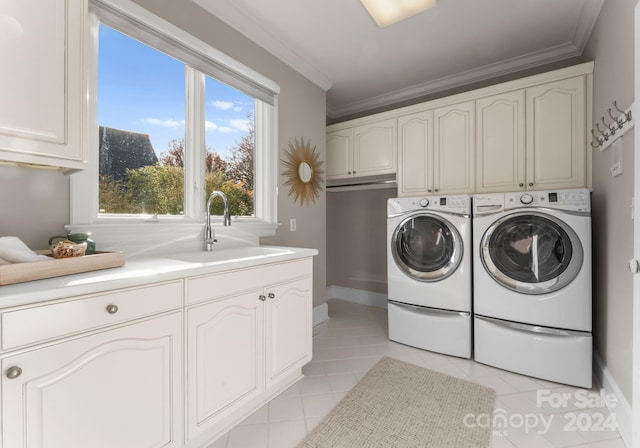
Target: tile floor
538 414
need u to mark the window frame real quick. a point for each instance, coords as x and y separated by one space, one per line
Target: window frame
138 23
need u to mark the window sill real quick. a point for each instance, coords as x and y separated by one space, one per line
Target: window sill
151 237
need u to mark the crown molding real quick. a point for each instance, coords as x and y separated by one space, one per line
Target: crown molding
490 71
251 28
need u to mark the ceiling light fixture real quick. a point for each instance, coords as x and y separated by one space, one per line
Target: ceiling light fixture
386 12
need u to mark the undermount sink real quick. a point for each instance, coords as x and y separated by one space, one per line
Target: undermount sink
230 255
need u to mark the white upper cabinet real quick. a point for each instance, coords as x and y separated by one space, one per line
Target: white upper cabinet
42 83
375 148
556 134
454 148
526 134
415 154
436 151
339 144
500 142
366 150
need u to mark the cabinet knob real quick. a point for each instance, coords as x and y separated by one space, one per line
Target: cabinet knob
112 309
14 372
271 295
262 297
429 190
349 172
436 190
354 172
521 184
531 184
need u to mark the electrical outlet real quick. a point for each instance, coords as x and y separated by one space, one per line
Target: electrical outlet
292 225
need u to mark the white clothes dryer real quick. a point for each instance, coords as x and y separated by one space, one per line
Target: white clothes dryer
532 283
429 273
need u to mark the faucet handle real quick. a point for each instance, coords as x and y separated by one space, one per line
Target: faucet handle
210 244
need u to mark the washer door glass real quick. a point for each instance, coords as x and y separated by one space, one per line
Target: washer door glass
426 247
533 253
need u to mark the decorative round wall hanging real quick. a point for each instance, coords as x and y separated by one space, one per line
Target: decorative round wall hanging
303 171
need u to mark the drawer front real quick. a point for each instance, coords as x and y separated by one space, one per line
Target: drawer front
447 332
563 358
31 325
224 284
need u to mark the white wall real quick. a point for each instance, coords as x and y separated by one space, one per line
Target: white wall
611 47
34 204
357 243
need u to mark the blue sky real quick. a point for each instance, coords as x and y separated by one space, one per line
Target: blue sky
142 90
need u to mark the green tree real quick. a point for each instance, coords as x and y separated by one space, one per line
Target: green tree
241 161
159 189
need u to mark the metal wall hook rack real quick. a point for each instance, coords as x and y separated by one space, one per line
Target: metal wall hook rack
622 122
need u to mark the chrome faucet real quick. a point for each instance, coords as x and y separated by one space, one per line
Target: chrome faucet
209 234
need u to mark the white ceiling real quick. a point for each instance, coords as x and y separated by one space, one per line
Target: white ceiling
337 45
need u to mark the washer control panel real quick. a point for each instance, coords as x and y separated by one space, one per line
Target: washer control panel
452 204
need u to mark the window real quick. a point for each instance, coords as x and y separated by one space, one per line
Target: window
170 120
141 127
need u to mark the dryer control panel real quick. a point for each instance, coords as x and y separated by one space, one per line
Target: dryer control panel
578 200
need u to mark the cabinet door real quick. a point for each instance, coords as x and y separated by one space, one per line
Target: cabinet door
375 148
454 148
288 328
225 358
339 146
500 142
41 112
415 154
556 141
121 388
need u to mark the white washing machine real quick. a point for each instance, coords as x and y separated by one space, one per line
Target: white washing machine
532 283
429 273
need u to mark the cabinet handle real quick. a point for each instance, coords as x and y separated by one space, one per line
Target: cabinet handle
14 372
522 185
531 184
271 295
262 297
112 309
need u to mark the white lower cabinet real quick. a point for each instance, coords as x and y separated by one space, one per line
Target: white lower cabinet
119 388
106 370
288 328
225 357
244 349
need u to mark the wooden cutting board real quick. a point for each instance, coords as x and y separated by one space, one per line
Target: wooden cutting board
37 270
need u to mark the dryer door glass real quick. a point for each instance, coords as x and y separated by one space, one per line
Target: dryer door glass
427 247
532 253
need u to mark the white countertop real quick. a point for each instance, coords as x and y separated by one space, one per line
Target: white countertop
149 269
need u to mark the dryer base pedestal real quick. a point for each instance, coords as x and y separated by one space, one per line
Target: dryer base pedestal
447 332
562 358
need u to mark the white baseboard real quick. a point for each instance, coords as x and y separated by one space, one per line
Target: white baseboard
357 296
320 313
622 411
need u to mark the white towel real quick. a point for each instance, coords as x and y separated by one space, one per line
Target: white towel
13 250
